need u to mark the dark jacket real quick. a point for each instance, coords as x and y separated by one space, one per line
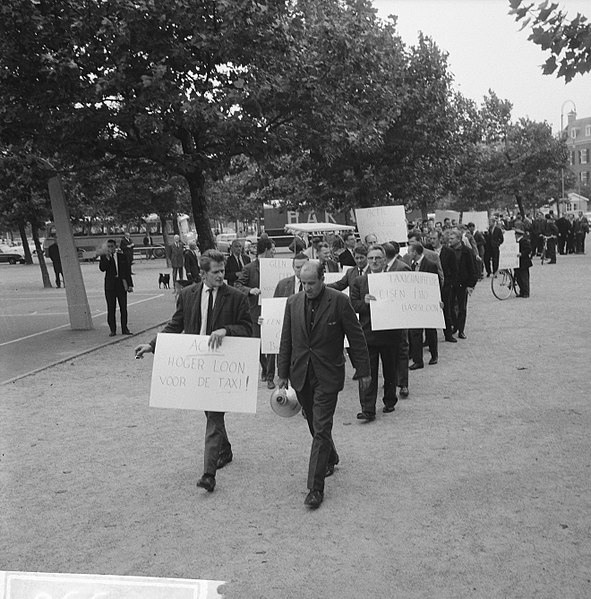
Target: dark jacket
115 275
233 268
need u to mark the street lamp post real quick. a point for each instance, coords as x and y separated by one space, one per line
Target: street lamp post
562 169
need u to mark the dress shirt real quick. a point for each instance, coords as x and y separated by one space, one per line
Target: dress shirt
204 301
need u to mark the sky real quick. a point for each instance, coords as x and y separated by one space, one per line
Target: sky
487 51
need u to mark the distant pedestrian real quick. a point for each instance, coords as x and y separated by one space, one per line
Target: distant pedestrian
53 252
148 243
525 263
192 263
126 244
176 253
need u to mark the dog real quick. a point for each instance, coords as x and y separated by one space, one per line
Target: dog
163 279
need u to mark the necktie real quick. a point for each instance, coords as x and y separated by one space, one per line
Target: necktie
361 272
301 287
414 265
209 325
239 260
114 265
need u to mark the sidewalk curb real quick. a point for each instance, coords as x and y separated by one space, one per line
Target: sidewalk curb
80 354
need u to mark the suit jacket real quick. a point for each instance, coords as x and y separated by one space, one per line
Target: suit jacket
115 275
230 312
331 266
525 253
176 255
323 346
192 266
347 280
467 274
346 258
286 287
433 256
233 268
399 265
449 264
247 279
357 295
494 237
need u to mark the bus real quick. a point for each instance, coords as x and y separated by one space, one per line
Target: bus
90 235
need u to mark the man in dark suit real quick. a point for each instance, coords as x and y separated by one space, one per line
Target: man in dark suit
525 263
118 283
209 308
347 256
248 282
126 244
148 242
449 265
192 263
382 345
235 262
394 262
421 263
328 264
176 255
53 252
360 268
311 358
494 240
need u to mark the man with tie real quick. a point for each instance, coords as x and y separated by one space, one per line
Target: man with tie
192 263
290 285
311 359
347 256
176 253
235 262
118 283
215 309
360 254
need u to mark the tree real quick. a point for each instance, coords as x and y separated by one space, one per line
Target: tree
188 84
567 40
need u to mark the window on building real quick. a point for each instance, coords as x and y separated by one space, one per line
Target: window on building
587 130
583 156
585 177
573 133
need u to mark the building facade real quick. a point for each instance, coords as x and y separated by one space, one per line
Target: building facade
578 141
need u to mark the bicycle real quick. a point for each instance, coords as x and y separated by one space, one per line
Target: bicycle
503 283
544 255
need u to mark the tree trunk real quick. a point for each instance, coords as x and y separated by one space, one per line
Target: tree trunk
196 182
520 205
163 225
175 223
23 232
42 264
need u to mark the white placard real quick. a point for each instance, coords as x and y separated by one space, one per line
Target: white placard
387 223
440 215
187 375
508 251
405 300
272 311
333 277
272 270
480 219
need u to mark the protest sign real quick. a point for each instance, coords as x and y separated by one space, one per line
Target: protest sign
440 215
508 252
188 375
272 270
405 300
387 223
272 311
333 277
480 219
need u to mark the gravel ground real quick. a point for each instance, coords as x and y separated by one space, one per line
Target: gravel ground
478 485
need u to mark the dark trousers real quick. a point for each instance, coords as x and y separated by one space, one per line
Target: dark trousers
562 243
446 298
580 242
177 273
416 344
216 441
389 356
403 354
551 249
491 260
522 280
114 296
267 361
459 302
57 270
319 408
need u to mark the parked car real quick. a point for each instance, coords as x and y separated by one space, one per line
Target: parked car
11 255
224 241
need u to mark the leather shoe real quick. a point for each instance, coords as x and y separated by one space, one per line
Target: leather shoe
388 409
112 334
433 361
207 482
462 336
270 384
404 391
126 332
225 458
330 470
366 416
416 366
451 339
314 499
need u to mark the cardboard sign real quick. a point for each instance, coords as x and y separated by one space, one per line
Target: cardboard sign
188 375
405 300
508 252
387 223
272 312
451 214
333 277
272 271
480 219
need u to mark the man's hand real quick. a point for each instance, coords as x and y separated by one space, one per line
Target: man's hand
364 383
255 291
470 290
140 350
261 321
281 383
216 338
369 298
441 304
